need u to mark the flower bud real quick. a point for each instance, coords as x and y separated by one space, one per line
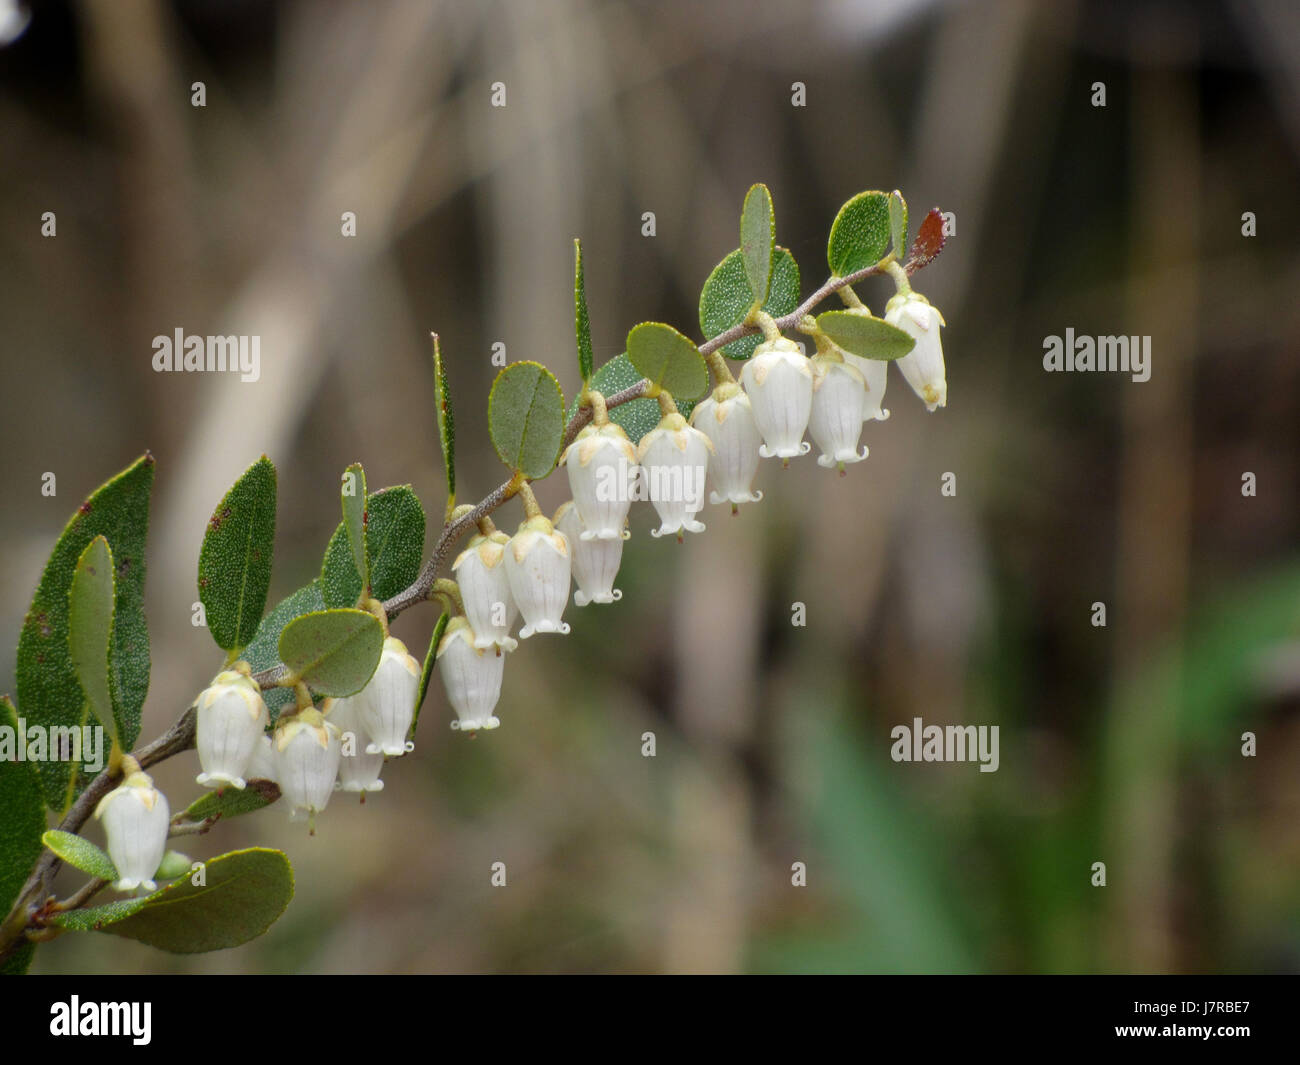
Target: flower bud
358 770
538 565
387 703
674 461
778 381
839 398
480 573
727 419
601 463
307 753
923 365
595 562
262 765
471 677
231 717
136 820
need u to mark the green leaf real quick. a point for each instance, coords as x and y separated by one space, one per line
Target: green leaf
90 629
22 820
726 298
581 320
526 418
334 652
394 543
446 423
427 672
871 338
174 864
757 240
235 561
243 894
638 416
355 518
48 690
263 651
898 223
80 854
859 234
666 358
229 802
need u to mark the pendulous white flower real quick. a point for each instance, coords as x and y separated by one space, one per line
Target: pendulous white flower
923 365
875 374
387 703
471 677
839 398
262 765
358 770
136 820
674 462
480 573
778 381
231 719
595 562
601 463
538 564
727 419
307 753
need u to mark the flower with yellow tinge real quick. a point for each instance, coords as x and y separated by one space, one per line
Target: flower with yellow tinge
307 753
136 821
538 565
726 417
480 574
674 461
386 705
231 718
595 562
601 463
778 381
922 366
839 398
471 676
358 770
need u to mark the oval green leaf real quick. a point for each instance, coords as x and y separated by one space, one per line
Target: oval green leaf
243 893
354 496
48 689
871 338
228 802
174 864
394 544
581 319
263 651
898 224
334 652
446 422
235 561
860 234
80 854
726 298
638 416
666 358
427 672
90 629
757 240
526 418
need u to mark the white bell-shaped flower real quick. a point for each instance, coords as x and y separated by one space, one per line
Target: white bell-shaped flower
262 765
136 821
538 563
471 677
480 573
231 719
307 753
674 463
839 398
595 562
601 463
727 419
778 381
923 365
875 374
358 770
387 703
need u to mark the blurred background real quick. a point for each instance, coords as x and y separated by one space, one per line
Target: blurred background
1119 744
